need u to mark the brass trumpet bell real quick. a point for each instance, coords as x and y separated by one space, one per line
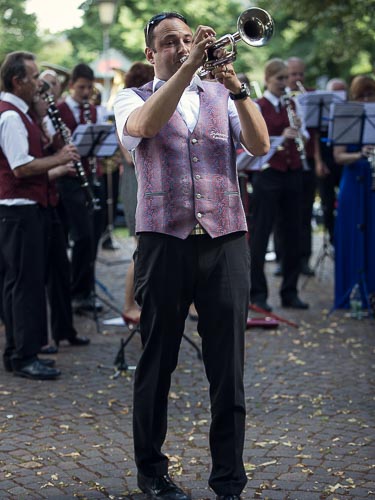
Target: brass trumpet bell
255 27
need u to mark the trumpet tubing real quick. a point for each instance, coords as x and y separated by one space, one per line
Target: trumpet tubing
255 27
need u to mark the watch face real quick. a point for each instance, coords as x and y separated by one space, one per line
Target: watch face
245 88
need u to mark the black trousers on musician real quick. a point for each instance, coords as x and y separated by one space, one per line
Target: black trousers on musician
170 274
23 247
275 195
309 184
58 281
78 222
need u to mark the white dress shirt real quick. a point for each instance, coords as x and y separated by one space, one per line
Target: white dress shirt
188 107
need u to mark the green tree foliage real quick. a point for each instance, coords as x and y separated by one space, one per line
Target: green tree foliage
18 30
335 38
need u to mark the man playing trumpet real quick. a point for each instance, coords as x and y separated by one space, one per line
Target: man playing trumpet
192 246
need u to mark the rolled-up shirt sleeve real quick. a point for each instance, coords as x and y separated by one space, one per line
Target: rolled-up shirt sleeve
125 103
14 140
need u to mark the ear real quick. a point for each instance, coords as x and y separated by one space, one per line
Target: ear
149 53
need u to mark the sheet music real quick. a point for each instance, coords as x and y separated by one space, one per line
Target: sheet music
346 123
315 105
252 163
368 136
88 137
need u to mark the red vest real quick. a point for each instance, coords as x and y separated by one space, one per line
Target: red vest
34 187
288 158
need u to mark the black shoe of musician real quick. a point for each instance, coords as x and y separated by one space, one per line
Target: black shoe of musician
87 304
79 341
228 497
294 303
262 304
9 367
160 487
37 370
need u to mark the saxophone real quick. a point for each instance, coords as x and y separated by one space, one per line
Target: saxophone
64 131
292 117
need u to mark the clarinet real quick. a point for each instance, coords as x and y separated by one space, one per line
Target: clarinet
298 140
91 159
64 131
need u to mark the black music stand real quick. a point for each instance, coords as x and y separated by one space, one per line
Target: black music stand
354 123
108 148
91 141
247 162
314 106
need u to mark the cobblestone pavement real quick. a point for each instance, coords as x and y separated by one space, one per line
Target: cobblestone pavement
310 398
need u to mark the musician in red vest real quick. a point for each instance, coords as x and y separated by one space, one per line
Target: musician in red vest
23 216
82 224
277 190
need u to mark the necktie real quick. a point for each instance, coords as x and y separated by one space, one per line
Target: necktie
81 114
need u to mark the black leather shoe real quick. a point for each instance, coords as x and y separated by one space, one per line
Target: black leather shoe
88 304
295 303
48 349
160 487
262 304
228 497
9 367
38 371
79 340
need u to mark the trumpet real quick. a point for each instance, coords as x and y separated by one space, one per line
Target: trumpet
292 117
255 27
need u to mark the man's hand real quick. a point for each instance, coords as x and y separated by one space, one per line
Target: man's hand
68 153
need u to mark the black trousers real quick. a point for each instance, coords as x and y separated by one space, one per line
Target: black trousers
58 281
23 247
309 184
275 194
170 273
78 222
328 187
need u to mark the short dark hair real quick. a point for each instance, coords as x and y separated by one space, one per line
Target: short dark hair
155 20
14 65
82 70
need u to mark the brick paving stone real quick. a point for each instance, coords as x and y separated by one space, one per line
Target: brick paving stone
309 394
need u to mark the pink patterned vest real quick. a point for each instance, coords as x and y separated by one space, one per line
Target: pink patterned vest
185 178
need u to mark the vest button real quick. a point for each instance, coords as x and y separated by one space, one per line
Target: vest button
199 215
195 159
198 196
197 177
194 141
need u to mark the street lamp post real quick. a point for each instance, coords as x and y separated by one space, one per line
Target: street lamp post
107 10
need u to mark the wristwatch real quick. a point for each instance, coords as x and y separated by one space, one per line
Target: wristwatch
243 93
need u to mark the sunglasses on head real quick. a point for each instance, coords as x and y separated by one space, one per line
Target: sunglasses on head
154 21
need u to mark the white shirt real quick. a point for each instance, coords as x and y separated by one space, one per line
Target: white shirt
14 140
188 107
